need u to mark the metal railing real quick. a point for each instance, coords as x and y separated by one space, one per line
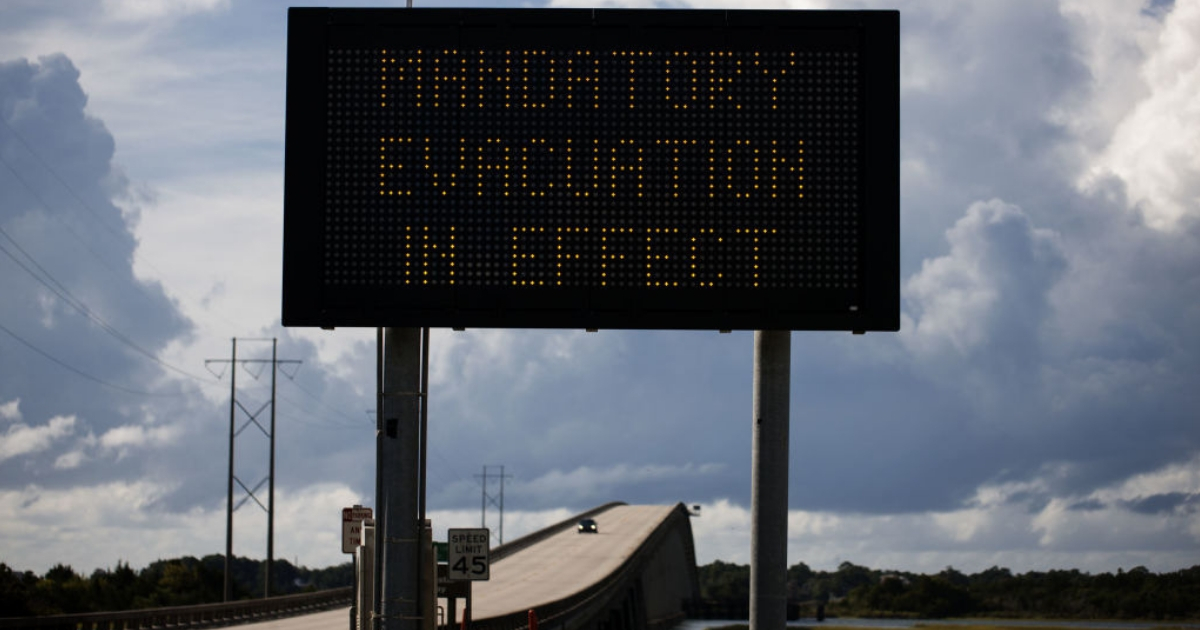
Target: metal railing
199 616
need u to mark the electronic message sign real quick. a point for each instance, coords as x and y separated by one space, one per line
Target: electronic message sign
659 169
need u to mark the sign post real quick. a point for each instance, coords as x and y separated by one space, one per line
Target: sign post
363 610
353 520
398 550
769 479
452 591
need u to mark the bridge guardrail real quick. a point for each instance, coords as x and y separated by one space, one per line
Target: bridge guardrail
199 616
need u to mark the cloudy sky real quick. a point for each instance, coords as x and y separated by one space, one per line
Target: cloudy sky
1038 408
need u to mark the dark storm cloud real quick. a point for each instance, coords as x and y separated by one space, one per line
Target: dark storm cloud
978 83
81 329
561 408
923 433
1165 503
1088 505
1034 502
1074 370
1158 8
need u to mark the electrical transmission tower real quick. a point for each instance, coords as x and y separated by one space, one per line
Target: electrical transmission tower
487 498
234 431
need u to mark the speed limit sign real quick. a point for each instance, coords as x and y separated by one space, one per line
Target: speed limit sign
467 554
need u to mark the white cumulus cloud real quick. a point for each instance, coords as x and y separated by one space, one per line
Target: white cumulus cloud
22 439
997 259
148 10
70 461
137 435
1155 149
11 410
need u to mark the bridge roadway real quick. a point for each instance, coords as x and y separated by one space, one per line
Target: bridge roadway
551 570
566 563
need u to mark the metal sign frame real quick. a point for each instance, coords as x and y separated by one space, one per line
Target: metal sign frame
364 246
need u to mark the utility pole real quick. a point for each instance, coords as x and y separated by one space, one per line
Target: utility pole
487 498
234 431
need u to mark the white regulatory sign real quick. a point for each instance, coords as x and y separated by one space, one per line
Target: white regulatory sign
467 554
352 518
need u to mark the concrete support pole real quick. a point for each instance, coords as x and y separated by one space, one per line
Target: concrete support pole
398 530
769 480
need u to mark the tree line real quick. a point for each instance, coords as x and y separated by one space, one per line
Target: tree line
850 591
179 582
857 591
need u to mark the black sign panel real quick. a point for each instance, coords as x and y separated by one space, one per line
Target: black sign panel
662 169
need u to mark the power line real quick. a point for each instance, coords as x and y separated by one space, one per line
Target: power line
95 215
66 226
350 422
48 280
78 371
56 287
321 421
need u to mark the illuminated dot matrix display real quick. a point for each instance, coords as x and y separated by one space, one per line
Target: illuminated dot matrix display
543 161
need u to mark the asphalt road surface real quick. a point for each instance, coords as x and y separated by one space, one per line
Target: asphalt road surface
565 563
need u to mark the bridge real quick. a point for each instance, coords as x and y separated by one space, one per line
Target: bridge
638 572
